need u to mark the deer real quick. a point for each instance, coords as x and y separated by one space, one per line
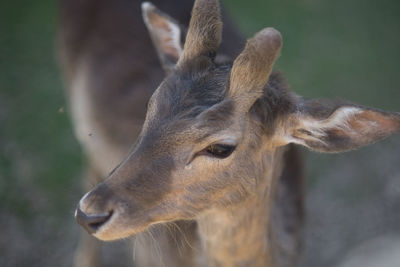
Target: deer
215 165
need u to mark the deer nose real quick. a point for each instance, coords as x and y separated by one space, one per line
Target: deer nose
92 222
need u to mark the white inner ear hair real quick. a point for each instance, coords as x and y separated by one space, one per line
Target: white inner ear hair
313 129
338 119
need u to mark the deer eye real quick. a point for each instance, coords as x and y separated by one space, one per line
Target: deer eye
219 150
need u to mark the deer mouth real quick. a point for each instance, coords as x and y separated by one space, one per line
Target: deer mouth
107 226
119 229
123 224
118 222
92 222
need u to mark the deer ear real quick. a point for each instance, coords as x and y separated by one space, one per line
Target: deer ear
252 68
324 128
165 33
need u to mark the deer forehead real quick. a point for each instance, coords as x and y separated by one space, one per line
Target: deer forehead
192 108
187 135
186 93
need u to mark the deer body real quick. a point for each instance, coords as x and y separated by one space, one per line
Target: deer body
215 155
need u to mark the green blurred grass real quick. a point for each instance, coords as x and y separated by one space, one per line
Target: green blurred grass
337 49
39 160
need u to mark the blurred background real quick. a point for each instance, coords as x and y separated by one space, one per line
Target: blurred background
332 49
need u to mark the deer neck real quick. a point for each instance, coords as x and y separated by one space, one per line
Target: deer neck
239 236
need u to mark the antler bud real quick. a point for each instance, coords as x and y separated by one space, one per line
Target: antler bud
252 68
205 30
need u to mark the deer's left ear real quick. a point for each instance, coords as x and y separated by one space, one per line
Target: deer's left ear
325 128
165 33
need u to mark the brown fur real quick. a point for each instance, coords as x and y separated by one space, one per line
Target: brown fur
252 68
205 31
245 208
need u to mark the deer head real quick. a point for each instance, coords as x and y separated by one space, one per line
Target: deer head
212 129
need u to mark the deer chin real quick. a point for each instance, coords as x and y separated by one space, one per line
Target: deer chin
111 234
116 229
119 226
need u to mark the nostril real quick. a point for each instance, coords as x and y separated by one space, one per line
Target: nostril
92 222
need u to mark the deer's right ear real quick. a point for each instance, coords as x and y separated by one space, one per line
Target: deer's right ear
165 33
325 127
